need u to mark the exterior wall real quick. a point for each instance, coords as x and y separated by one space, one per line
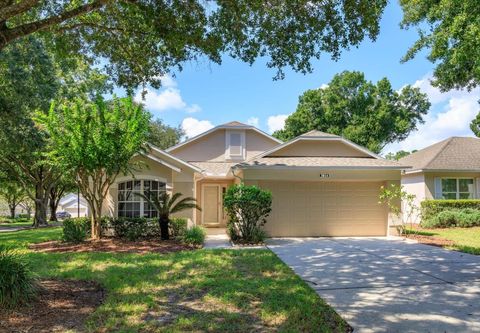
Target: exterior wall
430 181
327 148
212 147
184 184
415 184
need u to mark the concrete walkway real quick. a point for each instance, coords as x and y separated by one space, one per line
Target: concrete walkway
217 239
381 285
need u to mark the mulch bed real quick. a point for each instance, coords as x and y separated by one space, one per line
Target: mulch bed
61 305
430 240
113 245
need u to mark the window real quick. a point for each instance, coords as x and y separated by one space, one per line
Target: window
457 188
132 205
235 144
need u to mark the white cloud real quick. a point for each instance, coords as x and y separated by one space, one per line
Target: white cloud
450 115
168 97
253 121
194 108
276 123
192 126
324 86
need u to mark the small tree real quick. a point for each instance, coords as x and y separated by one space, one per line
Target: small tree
13 193
96 142
166 204
248 208
393 195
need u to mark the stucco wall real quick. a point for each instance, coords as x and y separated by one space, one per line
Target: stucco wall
319 148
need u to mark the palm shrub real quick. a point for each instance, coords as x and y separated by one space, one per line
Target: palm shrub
248 208
17 283
166 205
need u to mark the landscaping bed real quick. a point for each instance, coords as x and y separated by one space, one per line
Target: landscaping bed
61 305
113 245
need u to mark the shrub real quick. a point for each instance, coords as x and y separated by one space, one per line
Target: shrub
194 236
76 230
134 228
17 283
430 208
178 227
248 208
463 218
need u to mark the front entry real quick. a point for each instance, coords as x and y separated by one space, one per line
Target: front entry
212 207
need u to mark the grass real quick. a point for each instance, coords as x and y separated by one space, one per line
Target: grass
203 290
465 239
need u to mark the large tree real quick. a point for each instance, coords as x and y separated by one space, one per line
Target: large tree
162 135
450 30
143 39
65 185
96 142
370 114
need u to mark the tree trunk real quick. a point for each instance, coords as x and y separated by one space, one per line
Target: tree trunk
41 204
12 211
53 210
163 222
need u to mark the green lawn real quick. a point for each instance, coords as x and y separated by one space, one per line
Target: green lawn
466 239
203 290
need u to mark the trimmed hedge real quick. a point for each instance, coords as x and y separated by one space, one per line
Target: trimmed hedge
463 218
431 208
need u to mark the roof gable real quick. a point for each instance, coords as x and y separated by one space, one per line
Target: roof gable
454 153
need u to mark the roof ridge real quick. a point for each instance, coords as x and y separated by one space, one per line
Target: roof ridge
445 145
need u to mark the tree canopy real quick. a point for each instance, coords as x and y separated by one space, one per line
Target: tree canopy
144 39
398 155
369 114
450 29
162 135
475 125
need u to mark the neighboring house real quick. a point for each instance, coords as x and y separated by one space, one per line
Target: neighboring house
322 184
70 204
449 169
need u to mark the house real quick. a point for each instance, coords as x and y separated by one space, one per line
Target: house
449 169
321 184
71 204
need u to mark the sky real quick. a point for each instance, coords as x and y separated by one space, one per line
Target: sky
205 95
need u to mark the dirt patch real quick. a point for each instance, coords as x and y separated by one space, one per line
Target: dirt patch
113 245
431 240
61 305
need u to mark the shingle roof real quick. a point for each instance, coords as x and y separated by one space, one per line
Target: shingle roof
455 153
214 168
334 162
235 123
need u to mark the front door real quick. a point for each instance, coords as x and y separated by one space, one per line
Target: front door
212 204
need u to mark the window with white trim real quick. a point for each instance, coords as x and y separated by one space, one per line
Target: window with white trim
132 205
457 188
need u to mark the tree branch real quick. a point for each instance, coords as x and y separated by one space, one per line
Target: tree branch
12 9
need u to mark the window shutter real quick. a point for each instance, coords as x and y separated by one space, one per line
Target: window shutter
477 188
438 188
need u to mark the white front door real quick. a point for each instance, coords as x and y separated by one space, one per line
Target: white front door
212 204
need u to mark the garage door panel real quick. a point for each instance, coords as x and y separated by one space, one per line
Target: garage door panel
325 209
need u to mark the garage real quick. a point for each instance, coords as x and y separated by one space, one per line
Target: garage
302 208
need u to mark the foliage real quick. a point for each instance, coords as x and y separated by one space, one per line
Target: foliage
395 196
17 282
134 228
371 115
450 30
178 227
248 208
142 40
13 193
463 218
399 154
76 230
163 136
194 236
431 208
166 204
475 125
96 142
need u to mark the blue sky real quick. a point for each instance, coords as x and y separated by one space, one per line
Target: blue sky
205 94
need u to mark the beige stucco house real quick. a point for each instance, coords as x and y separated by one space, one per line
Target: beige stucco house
322 184
449 169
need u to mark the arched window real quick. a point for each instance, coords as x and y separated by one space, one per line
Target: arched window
132 205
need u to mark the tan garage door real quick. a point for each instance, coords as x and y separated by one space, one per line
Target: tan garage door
325 209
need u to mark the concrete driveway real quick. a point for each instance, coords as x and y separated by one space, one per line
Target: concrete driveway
382 285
